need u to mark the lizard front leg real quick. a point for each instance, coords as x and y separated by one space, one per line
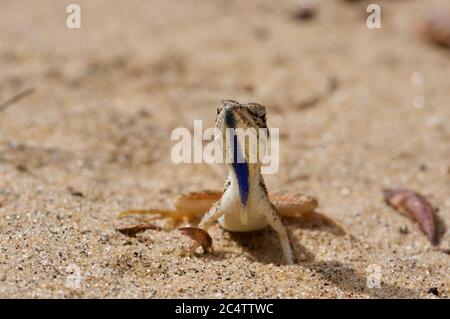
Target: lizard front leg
275 222
214 213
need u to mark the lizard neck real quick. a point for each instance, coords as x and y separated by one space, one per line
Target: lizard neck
240 170
242 180
243 188
244 175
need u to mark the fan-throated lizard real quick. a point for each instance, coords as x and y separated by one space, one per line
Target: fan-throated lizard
245 205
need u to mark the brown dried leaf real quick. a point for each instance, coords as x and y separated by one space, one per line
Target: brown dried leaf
417 207
74 192
16 98
133 230
306 10
199 235
436 26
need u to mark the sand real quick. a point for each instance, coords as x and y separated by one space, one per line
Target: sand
359 110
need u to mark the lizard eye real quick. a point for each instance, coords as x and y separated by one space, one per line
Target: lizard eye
258 112
219 111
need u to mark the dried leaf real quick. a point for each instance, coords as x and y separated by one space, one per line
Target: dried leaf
417 207
199 235
306 10
133 230
437 26
16 98
74 192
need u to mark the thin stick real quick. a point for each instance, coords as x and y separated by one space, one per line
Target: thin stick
16 98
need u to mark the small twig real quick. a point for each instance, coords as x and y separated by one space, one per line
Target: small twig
16 98
133 230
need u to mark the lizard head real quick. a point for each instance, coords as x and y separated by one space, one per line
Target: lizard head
241 127
232 114
248 124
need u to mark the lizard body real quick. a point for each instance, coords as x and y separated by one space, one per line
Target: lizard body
244 205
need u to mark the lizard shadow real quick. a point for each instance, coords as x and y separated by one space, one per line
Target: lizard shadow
345 277
316 220
263 247
441 228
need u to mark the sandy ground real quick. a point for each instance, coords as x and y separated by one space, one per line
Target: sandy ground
94 139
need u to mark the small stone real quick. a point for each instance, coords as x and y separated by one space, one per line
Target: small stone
434 291
305 10
403 229
80 163
418 102
416 78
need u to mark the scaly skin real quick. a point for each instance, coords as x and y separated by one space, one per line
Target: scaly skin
193 205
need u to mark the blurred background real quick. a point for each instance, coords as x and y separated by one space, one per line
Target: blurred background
358 109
